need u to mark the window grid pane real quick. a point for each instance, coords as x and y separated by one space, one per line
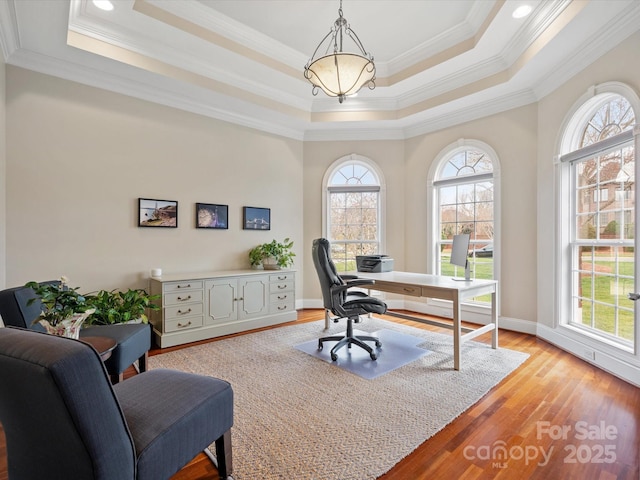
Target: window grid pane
353 215
603 253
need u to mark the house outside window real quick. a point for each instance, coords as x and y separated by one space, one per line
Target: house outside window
353 210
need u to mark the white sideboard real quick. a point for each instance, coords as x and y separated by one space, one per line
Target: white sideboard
207 305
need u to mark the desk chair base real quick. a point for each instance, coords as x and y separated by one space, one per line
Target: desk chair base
350 339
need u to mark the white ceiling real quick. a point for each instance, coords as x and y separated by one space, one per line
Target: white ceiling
438 62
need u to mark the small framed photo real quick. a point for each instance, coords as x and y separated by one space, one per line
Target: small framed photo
256 218
212 215
157 213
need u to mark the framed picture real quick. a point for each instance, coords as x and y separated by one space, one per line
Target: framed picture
212 215
256 218
157 213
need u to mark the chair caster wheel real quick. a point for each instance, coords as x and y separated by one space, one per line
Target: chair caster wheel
373 356
320 347
334 357
378 344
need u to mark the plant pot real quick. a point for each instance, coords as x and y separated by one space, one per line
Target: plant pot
69 327
270 263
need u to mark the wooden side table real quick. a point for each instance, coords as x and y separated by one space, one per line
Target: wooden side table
103 345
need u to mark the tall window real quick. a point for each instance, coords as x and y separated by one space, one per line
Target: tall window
599 175
464 193
353 210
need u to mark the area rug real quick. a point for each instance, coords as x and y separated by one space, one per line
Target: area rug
397 350
302 419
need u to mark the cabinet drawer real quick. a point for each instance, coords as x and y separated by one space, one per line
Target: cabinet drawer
281 307
187 296
281 277
186 323
182 311
281 297
182 286
400 288
281 287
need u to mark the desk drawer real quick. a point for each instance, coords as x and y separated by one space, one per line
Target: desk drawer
182 311
182 286
176 324
187 296
399 288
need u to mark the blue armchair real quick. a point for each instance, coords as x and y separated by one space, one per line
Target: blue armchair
63 419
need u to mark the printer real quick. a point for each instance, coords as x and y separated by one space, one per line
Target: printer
374 263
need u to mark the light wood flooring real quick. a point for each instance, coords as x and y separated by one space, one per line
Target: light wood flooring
556 417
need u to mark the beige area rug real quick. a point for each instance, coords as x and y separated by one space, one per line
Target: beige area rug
300 418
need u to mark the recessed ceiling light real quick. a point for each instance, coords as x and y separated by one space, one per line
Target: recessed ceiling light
103 5
522 11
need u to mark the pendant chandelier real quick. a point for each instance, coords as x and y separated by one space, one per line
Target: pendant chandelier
337 72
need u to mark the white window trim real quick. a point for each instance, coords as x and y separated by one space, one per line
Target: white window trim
371 165
616 357
433 213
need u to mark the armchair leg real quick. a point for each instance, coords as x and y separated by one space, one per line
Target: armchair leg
142 362
224 456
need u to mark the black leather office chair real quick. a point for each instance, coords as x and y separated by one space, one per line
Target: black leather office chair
63 419
336 297
133 341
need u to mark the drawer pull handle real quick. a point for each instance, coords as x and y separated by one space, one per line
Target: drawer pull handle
180 299
186 286
185 325
282 307
282 297
282 287
238 299
180 312
409 289
282 278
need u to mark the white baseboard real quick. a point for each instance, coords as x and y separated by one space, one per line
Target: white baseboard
621 369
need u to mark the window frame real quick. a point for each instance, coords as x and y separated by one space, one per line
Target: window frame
380 187
569 150
433 210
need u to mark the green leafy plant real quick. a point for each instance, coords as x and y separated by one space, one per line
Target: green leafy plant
59 301
281 252
120 307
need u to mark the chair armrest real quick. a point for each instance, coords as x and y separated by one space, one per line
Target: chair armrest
359 281
348 277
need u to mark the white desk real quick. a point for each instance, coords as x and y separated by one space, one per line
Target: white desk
445 288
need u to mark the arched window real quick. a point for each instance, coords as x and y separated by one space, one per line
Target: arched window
353 210
465 193
598 212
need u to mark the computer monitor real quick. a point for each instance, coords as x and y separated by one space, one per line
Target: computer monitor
460 253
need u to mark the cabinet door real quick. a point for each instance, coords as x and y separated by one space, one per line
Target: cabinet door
254 293
222 300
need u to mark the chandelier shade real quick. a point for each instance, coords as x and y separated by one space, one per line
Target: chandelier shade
337 72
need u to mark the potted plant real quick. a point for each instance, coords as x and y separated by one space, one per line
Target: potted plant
63 308
273 255
120 307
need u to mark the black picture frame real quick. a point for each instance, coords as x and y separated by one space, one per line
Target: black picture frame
157 213
212 215
256 218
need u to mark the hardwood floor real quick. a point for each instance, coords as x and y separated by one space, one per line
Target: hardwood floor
556 417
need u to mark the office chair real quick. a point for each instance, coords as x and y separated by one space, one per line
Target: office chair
133 341
342 303
63 419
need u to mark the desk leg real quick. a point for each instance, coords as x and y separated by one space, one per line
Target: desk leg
327 319
494 318
457 333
